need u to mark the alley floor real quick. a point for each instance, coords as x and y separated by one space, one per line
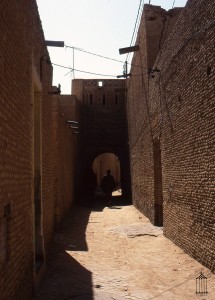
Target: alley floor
117 254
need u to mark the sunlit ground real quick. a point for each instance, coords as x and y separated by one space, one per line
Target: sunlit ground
117 193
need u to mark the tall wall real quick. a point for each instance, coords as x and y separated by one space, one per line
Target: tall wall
66 141
172 139
156 25
28 150
103 121
22 46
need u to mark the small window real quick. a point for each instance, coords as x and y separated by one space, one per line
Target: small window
116 100
209 69
4 246
104 100
100 83
91 99
4 250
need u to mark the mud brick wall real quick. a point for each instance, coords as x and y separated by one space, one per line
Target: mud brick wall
156 24
21 48
103 123
180 110
66 142
188 143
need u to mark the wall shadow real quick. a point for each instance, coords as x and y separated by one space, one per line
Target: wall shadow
71 234
100 202
65 277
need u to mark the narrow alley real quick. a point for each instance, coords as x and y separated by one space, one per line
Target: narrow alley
142 133
116 253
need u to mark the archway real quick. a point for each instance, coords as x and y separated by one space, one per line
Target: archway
95 161
108 161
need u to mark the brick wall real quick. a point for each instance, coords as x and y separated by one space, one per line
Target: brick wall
23 86
103 122
66 143
156 25
175 108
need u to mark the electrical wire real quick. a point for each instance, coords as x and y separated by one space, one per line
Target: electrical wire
102 56
160 86
165 34
82 71
162 93
91 53
135 26
147 97
141 4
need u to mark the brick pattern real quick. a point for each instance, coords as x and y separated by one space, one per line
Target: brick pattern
66 153
22 48
21 44
103 121
176 106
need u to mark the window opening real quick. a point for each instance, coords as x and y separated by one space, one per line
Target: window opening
91 99
100 83
104 100
158 187
4 234
116 100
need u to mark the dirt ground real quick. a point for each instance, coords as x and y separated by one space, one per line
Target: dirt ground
116 254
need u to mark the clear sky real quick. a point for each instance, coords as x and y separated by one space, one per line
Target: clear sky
97 26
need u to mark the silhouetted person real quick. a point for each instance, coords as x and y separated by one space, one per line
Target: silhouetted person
108 185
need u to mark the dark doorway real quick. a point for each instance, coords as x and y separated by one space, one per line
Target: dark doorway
158 188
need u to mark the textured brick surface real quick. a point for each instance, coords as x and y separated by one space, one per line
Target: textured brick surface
24 74
21 47
103 122
176 107
66 153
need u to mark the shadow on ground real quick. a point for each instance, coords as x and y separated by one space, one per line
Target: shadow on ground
99 202
65 277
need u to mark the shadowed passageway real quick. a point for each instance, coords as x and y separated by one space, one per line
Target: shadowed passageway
116 253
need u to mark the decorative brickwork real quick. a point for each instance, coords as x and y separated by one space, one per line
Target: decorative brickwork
173 105
29 151
22 46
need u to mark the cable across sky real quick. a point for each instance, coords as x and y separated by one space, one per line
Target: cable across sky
100 26
82 71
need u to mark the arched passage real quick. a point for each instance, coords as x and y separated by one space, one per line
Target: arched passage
107 161
103 129
96 161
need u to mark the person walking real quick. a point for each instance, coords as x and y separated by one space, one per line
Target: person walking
108 185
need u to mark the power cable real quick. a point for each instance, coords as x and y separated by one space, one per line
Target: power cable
82 71
210 25
135 26
102 56
91 53
165 34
